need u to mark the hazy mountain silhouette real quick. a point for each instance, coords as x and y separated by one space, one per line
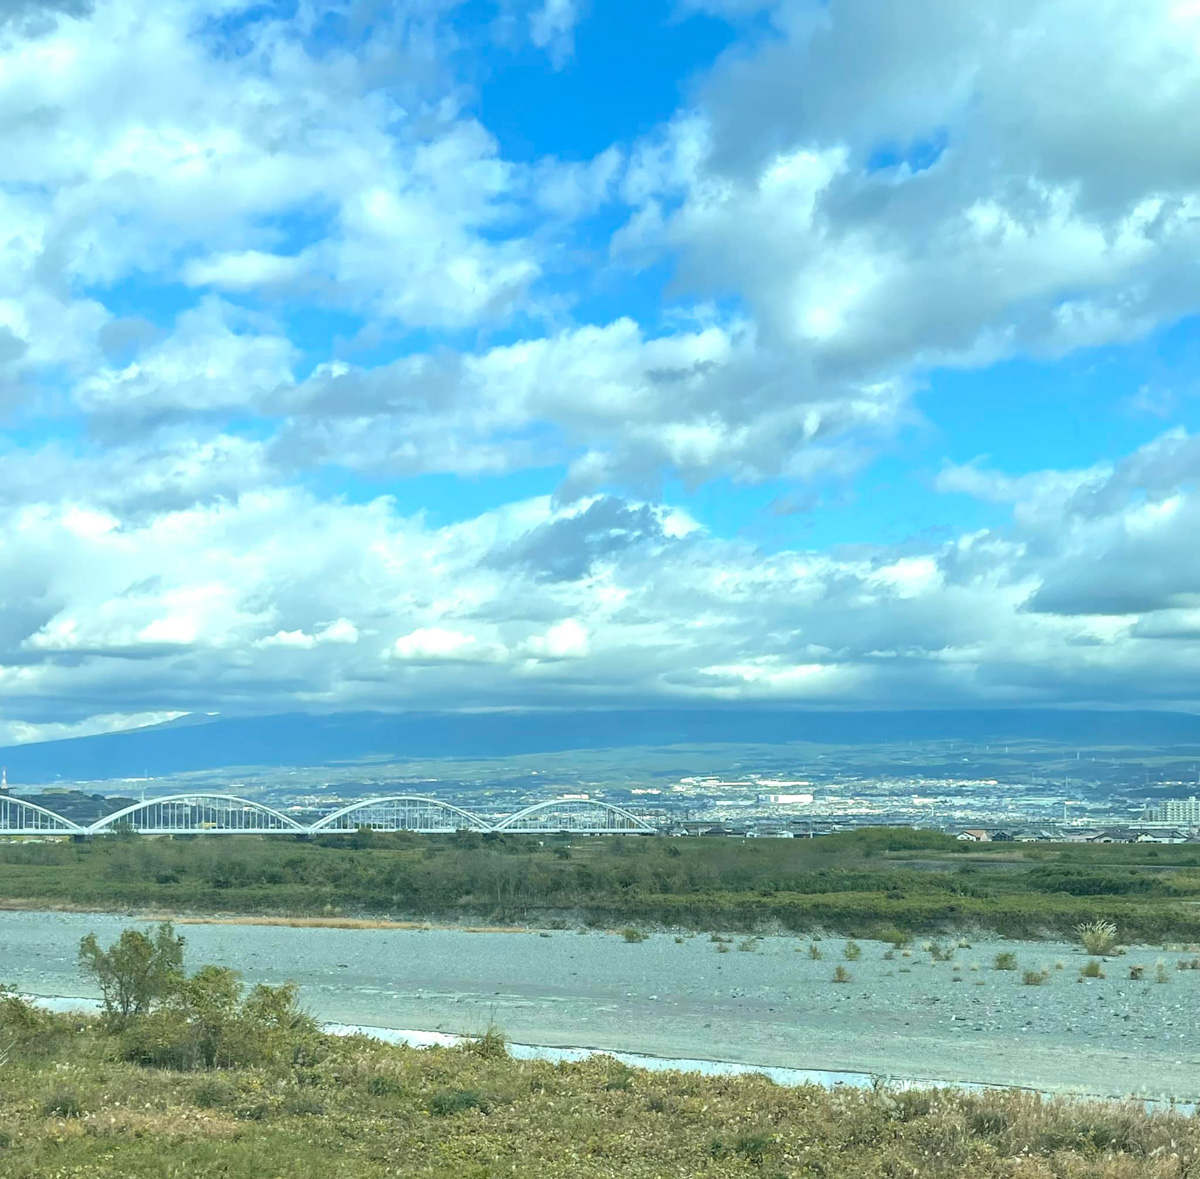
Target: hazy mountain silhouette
300 740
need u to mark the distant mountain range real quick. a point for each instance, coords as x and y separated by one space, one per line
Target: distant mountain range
294 739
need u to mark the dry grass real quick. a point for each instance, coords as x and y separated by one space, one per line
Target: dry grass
359 1109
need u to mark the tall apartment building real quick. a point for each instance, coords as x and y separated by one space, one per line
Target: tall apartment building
1175 810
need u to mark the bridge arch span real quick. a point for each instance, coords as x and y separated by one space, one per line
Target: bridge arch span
576 814
198 814
19 817
401 812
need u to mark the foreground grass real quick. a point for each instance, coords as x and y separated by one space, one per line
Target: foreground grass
357 1109
865 883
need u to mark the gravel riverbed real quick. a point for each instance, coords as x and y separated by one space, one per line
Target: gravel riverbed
762 1001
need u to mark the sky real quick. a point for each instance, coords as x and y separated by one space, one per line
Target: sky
568 354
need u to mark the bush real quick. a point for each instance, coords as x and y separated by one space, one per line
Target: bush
1035 978
63 1104
447 1102
213 1094
814 951
841 975
1097 937
492 1045
852 951
748 945
632 935
1005 960
1092 969
384 1086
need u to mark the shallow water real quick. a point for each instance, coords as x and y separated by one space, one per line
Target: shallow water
768 1007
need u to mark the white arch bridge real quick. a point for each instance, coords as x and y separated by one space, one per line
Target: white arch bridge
222 814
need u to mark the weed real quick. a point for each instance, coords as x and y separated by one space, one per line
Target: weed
841 975
852 951
1035 978
447 1102
63 1104
1160 972
748 945
722 947
213 1094
492 1045
1097 937
1092 969
382 1086
814 951
301 1105
632 935
1137 972
1005 960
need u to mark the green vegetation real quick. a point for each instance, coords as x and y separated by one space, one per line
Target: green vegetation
852 951
1035 978
877 882
1005 960
1097 937
841 975
1092 969
284 1100
633 935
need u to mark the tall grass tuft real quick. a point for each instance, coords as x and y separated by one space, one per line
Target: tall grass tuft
1097 937
841 975
1005 960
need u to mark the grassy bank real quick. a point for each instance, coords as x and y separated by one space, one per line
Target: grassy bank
862 884
72 1103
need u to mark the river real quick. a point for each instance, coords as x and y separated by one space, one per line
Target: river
768 1006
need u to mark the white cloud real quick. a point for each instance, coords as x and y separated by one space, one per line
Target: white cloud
552 26
869 191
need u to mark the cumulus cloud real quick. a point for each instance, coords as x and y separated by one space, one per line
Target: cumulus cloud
242 266
552 26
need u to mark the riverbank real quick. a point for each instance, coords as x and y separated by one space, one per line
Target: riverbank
871 883
759 1002
351 1107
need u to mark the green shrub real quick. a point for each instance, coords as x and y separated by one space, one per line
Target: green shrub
213 1094
632 935
1035 978
492 1045
1005 960
814 951
1092 969
384 1086
1097 937
852 951
841 975
63 1104
447 1102
748 945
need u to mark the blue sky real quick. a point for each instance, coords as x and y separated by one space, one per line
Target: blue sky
542 353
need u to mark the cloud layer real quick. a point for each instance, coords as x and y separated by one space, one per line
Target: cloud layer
264 273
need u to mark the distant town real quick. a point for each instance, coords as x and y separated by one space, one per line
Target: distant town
1105 800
